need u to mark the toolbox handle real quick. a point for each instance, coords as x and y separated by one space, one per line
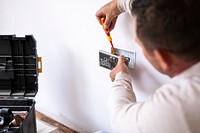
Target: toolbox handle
40 64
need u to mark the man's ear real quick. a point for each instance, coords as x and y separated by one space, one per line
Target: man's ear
163 58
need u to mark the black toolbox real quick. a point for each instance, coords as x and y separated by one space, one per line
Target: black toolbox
19 69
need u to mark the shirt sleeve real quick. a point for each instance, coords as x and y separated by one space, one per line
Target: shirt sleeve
159 113
125 6
121 100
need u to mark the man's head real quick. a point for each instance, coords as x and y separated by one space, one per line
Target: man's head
168 30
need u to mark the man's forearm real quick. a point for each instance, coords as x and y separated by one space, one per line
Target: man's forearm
121 99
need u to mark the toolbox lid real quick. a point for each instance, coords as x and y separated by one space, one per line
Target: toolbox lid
18 66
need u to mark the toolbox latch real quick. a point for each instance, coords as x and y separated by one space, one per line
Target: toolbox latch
40 64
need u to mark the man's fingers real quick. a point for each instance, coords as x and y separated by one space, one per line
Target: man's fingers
121 60
99 15
112 25
112 77
107 23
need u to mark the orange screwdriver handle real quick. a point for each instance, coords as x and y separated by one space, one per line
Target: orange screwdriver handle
102 23
108 35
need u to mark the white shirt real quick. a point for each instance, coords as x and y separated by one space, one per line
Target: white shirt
174 107
124 6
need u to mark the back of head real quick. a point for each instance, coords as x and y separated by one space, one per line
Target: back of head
170 25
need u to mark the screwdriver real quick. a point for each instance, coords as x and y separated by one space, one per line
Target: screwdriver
108 35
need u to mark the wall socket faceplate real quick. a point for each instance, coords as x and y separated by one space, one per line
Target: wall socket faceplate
109 61
130 55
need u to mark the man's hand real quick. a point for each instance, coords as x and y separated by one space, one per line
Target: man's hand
121 67
110 12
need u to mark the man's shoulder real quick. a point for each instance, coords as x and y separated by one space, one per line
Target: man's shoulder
184 92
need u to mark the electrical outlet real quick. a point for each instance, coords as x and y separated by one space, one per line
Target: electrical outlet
109 61
128 54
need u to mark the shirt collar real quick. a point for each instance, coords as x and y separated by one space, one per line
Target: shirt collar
192 71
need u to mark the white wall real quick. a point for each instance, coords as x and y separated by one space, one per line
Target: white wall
73 89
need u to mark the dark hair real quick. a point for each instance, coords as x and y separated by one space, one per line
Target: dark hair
170 25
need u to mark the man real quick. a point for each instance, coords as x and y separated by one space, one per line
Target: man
168 33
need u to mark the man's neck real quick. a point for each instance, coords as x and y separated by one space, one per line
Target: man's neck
181 65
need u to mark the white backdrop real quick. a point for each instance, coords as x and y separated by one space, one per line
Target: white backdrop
73 89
